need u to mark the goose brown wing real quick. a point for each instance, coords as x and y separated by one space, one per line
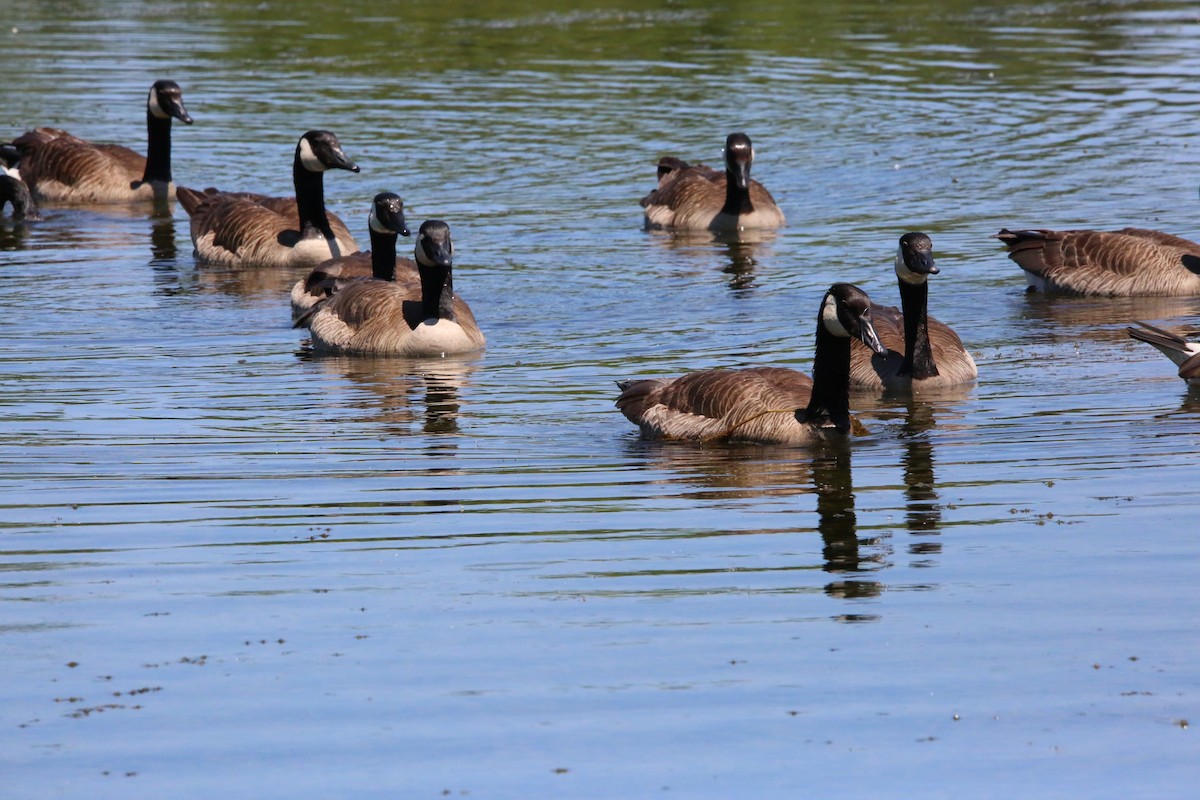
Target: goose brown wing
1120 253
68 160
759 196
1164 239
713 403
235 221
696 184
120 156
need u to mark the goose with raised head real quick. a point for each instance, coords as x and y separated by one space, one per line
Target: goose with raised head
766 405
14 191
921 351
420 317
245 229
1125 263
61 168
1184 354
385 223
700 198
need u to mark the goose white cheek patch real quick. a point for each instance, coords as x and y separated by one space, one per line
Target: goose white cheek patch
905 274
829 318
155 108
308 159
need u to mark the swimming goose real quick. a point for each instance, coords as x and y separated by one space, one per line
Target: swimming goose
1185 354
417 317
61 168
767 405
700 198
1128 262
920 350
244 229
385 223
13 190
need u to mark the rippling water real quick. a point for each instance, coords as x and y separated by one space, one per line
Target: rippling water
233 568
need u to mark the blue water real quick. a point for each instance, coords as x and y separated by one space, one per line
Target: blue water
232 568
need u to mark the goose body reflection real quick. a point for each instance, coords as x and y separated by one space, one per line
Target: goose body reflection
385 223
1128 262
246 229
921 351
700 198
766 405
61 168
1184 354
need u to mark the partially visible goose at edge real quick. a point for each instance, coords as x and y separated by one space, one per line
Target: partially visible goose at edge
10 158
61 168
921 352
765 405
700 198
1128 262
14 191
409 317
245 229
385 223
1184 354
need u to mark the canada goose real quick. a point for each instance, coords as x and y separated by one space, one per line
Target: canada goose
920 350
61 168
385 223
1185 354
418 317
13 190
767 405
1128 262
700 198
243 229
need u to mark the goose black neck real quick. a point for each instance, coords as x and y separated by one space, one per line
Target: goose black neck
310 200
831 381
383 255
158 149
918 353
437 292
737 199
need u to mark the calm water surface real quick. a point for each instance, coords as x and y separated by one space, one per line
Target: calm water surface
233 569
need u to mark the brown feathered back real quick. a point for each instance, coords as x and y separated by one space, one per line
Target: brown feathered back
1128 262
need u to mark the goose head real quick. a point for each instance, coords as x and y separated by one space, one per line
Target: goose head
434 249
914 259
739 153
10 158
318 151
14 190
166 101
846 313
387 215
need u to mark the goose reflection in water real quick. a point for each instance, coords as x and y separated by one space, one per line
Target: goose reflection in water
923 514
739 252
162 242
250 282
837 522
740 472
1069 319
393 386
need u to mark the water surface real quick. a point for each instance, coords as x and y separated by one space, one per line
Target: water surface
233 568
